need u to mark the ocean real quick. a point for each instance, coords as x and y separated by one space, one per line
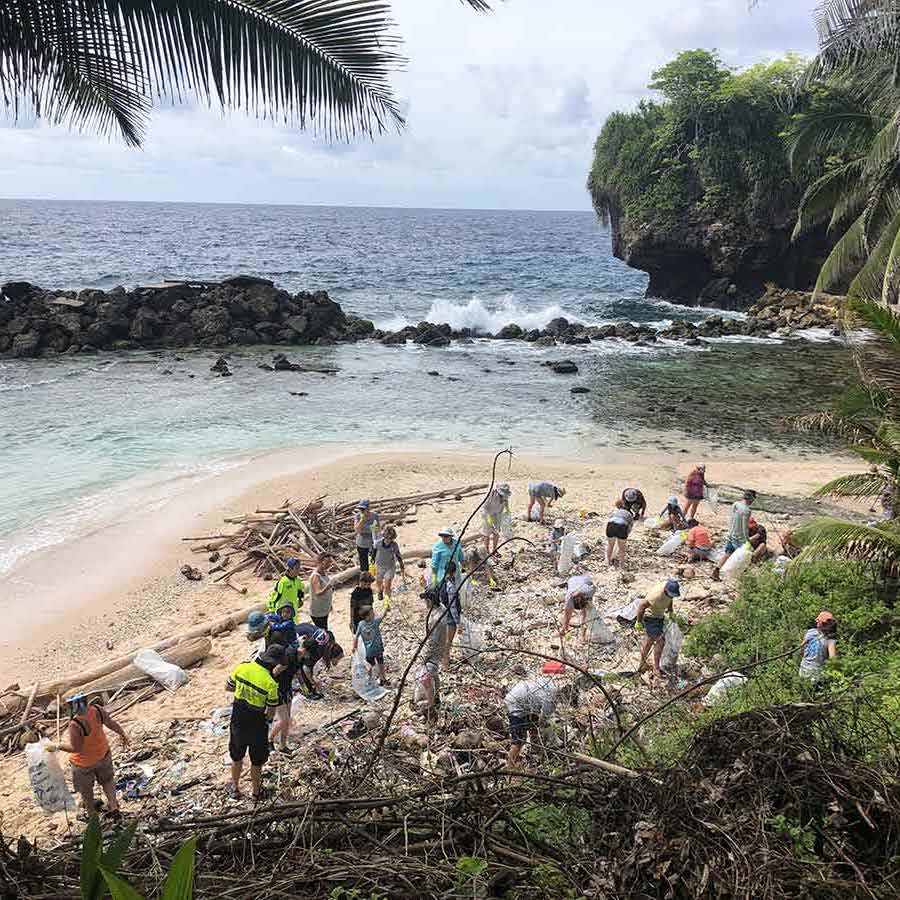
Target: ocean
80 434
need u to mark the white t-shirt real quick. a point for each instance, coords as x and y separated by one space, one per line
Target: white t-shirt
533 698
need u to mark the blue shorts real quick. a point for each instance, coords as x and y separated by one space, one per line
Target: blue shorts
519 726
454 614
731 546
654 627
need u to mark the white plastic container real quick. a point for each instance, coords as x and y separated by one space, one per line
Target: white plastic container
671 544
738 562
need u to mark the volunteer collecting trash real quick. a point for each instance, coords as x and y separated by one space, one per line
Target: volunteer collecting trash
366 528
579 594
694 491
618 528
448 594
255 699
545 494
90 756
289 587
634 501
446 549
738 528
282 628
698 541
530 703
672 515
285 679
387 558
369 630
321 592
757 535
651 614
819 646
493 513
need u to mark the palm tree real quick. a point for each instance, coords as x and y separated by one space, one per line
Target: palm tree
99 64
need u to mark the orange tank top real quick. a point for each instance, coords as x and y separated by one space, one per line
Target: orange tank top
95 746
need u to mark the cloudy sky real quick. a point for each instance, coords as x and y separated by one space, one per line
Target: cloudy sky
502 112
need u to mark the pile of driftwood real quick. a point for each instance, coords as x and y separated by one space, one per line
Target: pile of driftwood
266 538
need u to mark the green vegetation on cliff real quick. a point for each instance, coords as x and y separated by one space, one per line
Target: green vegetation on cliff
712 146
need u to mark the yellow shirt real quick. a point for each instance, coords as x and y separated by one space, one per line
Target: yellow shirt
660 603
255 685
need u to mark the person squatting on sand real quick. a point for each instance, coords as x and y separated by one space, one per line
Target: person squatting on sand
545 494
89 754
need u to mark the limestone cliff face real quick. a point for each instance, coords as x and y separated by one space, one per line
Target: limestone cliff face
724 264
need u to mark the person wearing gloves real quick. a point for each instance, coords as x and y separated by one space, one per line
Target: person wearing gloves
618 528
651 613
529 703
545 494
635 502
819 646
694 491
255 700
672 515
738 527
494 511
289 587
89 754
579 594
446 549
387 559
366 527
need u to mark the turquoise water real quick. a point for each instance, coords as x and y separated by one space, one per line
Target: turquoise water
79 433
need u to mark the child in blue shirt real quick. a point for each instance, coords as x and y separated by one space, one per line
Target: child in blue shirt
369 629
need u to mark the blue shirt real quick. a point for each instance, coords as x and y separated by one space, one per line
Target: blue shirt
441 554
370 633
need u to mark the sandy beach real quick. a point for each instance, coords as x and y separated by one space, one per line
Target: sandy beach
119 588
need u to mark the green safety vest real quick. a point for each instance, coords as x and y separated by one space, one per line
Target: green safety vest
287 589
255 685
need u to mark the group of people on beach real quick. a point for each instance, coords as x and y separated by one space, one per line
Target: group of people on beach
288 650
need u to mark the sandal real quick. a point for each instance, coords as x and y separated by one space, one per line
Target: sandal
234 793
264 794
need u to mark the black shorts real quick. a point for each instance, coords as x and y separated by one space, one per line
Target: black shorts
617 530
249 732
375 658
519 726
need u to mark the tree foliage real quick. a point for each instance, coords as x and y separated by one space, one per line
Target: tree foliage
711 146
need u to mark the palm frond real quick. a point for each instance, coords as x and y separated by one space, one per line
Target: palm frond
870 280
883 320
851 430
851 31
834 195
883 149
828 537
846 257
857 484
323 64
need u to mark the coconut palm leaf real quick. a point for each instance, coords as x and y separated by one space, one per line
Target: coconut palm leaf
870 280
842 191
852 430
98 64
858 484
850 31
830 537
846 257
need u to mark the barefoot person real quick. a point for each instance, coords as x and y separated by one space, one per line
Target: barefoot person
618 527
387 559
651 613
89 753
545 494
255 700
369 631
529 703
672 515
694 491
494 511
579 595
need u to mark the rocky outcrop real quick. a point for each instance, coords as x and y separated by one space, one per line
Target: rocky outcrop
237 311
778 309
722 264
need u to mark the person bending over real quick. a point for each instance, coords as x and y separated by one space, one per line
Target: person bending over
545 494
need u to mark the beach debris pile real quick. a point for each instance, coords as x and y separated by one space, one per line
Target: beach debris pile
264 539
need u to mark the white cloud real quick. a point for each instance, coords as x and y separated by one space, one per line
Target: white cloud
502 111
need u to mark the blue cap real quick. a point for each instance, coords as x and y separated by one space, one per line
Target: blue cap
256 621
78 701
291 561
673 588
363 504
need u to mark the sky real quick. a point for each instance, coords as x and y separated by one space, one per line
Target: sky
502 111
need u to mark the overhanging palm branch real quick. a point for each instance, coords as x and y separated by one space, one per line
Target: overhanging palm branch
99 64
860 485
827 537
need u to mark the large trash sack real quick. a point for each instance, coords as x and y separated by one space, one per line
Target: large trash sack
170 676
671 544
506 525
597 630
624 614
567 553
47 779
471 638
711 495
363 683
737 562
718 691
672 647
782 564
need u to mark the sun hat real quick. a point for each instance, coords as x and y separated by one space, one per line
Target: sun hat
630 495
561 491
363 504
673 588
503 489
702 467
256 621
823 618
672 501
283 604
447 532
291 562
